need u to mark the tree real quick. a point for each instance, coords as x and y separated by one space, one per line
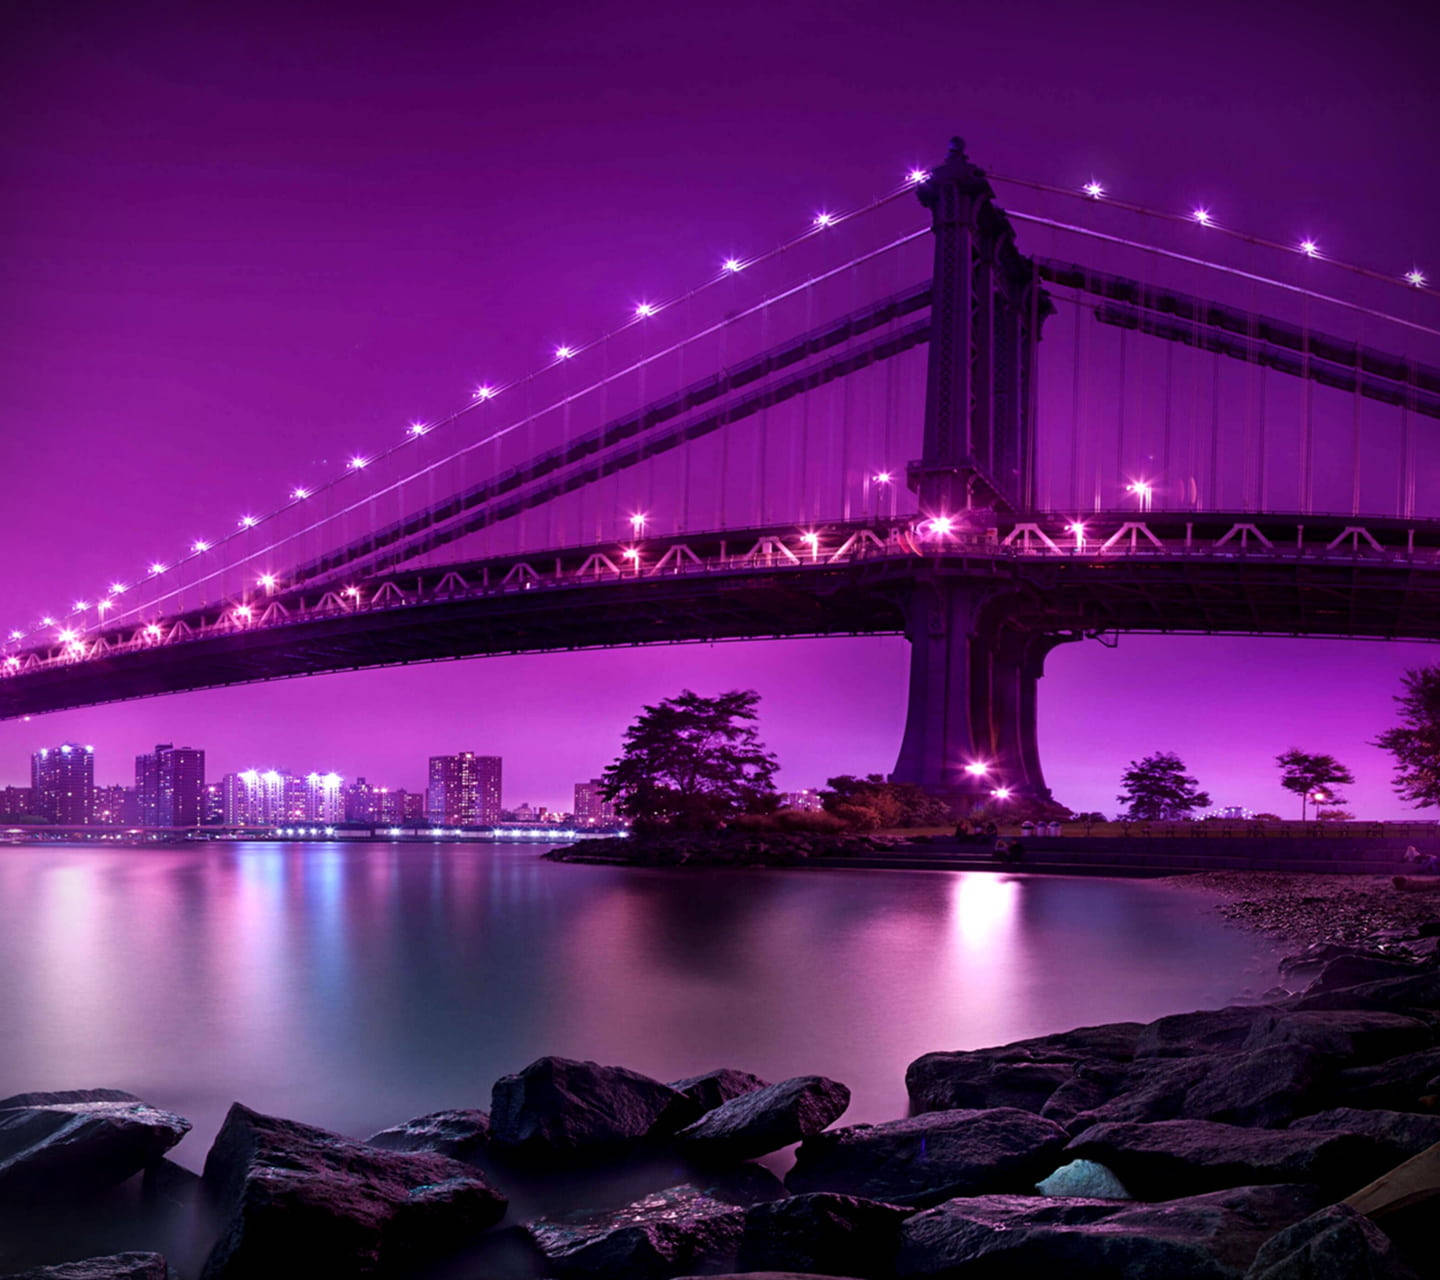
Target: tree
1159 787
1312 777
693 762
1415 742
871 802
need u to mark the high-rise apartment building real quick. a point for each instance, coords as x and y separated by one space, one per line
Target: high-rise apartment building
170 786
253 798
324 800
591 807
62 780
464 789
17 802
114 805
362 801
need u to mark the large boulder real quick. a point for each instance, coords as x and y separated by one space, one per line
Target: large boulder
1024 1074
1211 1237
716 1087
822 1233
1265 1087
764 1120
1092 1085
303 1201
459 1134
1183 1035
1333 1244
1415 991
1406 1133
78 1142
1410 1082
1168 1159
679 1229
1354 970
930 1157
1357 1035
558 1111
115 1266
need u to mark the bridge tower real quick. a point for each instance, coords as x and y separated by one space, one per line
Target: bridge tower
973 674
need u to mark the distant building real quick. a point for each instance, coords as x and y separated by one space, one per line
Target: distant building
251 798
464 790
170 787
214 804
16 802
807 801
115 806
1230 811
591 807
362 802
63 782
324 801
412 805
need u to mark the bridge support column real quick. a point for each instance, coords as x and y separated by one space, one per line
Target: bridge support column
973 684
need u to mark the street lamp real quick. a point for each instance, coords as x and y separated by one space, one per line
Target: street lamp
1142 491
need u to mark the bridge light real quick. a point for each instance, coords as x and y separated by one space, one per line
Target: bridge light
632 554
883 477
248 522
67 635
1202 216
267 580
153 631
637 521
977 768
81 606
943 525
484 391
12 662
823 220
47 621
1001 793
644 310
732 265
1309 248
357 463
1093 189
117 588
352 592
244 612
157 568
1415 277
105 604
299 494
564 353
917 175
16 634
199 545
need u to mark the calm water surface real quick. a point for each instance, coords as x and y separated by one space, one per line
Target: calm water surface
356 986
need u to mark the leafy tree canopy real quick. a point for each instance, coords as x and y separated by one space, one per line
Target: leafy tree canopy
1306 775
1158 787
871 802
1415 741
693 762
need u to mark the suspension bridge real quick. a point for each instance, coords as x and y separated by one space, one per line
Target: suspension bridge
994 432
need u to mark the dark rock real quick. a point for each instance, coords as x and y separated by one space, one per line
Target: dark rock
678 1229
1405 1132
1353 970
1092 1085
1334 1243
1416 992
765 1120
558 1111
1266 1087
1184 1035
822 1233
1361 1035
767 1275
71 1144
457 1134
1024 1074
1211 1237
303 1201
717 1087
1305 965
1404 1083
930 1157
116 1266
1172 1158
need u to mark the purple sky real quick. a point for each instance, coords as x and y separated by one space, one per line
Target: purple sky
237 246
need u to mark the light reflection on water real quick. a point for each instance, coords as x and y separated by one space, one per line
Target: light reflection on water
355 986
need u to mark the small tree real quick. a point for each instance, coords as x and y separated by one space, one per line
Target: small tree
1312 777
1415 742
693 762
871 802
1158 787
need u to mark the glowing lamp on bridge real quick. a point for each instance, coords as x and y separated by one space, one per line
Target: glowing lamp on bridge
916 176
1142 491
1093 189
199 545
248 522
643 310
12 662
732 265
484 391
1001 793
564 353
47 621
637 521
153 631
1309 248
105 604
1078 529
117 588
353 592
17 634
1415 277
267 580
977 768
630 553
1202 216
244 612
299 494
942 526
883 477
358 463
157 568
823 220
81 606
66 635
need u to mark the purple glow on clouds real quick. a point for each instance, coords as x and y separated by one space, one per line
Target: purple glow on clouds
241 251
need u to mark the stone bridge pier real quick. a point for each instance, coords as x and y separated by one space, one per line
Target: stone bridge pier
973 682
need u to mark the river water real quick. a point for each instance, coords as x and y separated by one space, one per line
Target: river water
356 986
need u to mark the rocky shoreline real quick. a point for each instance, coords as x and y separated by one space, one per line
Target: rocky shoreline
1297 1137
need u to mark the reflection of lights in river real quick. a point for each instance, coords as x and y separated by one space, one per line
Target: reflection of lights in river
984 906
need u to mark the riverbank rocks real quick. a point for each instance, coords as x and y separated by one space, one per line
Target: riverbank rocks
764 1120
303 1201
115 1266
679 1229
1184 1035
822 1233
1025 1074
1356 1035
1407 1133
1172 1158
558 1111
1352 970
459 1134
1410 1082
1210 1237
930 1157
1417 994
1083 1179
74 1143
717 1087
1336 1242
